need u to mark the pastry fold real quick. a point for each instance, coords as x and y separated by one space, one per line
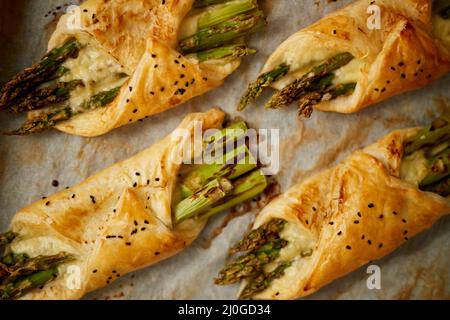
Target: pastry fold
115 222
142 36
404 54
351 214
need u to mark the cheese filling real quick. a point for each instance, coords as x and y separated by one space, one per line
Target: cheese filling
441 29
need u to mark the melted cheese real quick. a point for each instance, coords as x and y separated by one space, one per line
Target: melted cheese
414 167
441 29
300 245
350 73
98 70
43 245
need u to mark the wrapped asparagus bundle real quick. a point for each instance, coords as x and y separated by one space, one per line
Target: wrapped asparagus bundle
111 63
340 219
350 60
129 216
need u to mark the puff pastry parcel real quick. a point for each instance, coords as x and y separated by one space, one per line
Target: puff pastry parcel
350 59
111 63
124 218
338 220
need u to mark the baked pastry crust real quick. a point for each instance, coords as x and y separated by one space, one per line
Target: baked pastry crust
115 222
356 212
400 56
142 36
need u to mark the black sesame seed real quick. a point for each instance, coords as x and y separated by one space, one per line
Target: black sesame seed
369 241
155 66
152 93
401 64
114 210
143 228
130 88
419 61
182 76
403 76
135 185
314 209
306 221
128 243
157 253
331 223
363 237
334 31
162 89
277 294
73 196
157 179
146 222
381 216
109 278
371 205
380 245
356 221
383 90
93 199
403 220
135 110
405 232
55 183
406 239
339 233
94 271
135 223
148 181
394 213
359 214
429 76
175 83
47 203
348 247
138 174
388 81
393 68
376 89
176 61
153 55
128 100
120 237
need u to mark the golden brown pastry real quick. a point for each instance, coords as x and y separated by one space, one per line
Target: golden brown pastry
345 62
340 219
111 63
121 219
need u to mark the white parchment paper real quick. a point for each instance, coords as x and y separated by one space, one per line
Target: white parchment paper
28 165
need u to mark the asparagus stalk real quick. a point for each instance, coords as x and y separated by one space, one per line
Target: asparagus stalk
430 136
40 73
244 189
53 117
225 136
307 101
257 237
441 187
303 85
439 168
19 288
262 281
221 13
222 33
24 266
234 164
46 97
206 3
233 51
250 264
7 238
202 199
256 88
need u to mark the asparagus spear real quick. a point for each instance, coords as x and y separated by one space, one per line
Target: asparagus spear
225 136
301 86
307 101
20 287
256 88
441 187
252 263
202 199
432 135
32 77
53 117
45 97
206 3
262 281
234 164
33 265
7 238
439 168
221 13
244 189
257 237
233 51
222 33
